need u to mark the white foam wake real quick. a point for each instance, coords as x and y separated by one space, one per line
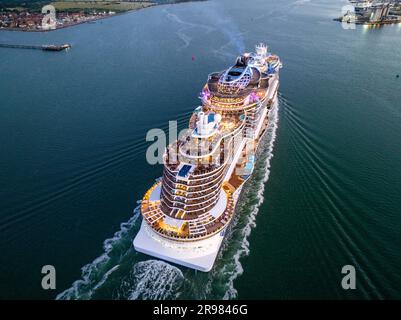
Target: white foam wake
95 274
155 280
250 224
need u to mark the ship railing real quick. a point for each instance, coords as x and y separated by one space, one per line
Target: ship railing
212 226
195 211
191 185
191 149
188 202
194 196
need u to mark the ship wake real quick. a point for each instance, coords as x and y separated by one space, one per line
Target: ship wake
249 203
119 272
96 274
155 280
122 273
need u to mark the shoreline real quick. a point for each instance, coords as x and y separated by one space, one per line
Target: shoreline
95 19
78 23
367 23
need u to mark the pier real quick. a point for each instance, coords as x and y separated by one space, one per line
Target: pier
50 47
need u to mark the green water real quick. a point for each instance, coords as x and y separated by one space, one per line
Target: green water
326 192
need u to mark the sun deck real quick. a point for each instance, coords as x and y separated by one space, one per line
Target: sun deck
177 227
192 146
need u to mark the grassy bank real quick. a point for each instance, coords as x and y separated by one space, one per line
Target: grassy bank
116 6
71 5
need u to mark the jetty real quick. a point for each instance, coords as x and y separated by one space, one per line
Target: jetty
48 47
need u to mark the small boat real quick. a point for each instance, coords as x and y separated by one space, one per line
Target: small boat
53 47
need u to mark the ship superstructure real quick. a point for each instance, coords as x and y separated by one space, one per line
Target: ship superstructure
186 212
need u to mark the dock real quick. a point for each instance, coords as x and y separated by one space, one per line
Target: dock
48 47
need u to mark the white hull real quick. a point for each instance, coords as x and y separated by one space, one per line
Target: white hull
198 255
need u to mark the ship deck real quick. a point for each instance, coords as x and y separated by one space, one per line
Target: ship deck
201 226
259 81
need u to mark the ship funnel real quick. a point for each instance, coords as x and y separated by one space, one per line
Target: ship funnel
202 121
201 118
261 50
205 120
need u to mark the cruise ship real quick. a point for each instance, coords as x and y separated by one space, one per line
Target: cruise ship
187 211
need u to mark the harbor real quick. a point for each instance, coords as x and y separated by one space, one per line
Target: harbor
372 13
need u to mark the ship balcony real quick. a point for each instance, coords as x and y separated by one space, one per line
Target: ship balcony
191 196
195 207
204 183
219 104
201 172
187 226
189 185
194 199
193 149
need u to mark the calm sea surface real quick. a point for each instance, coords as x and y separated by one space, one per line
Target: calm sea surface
326 192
